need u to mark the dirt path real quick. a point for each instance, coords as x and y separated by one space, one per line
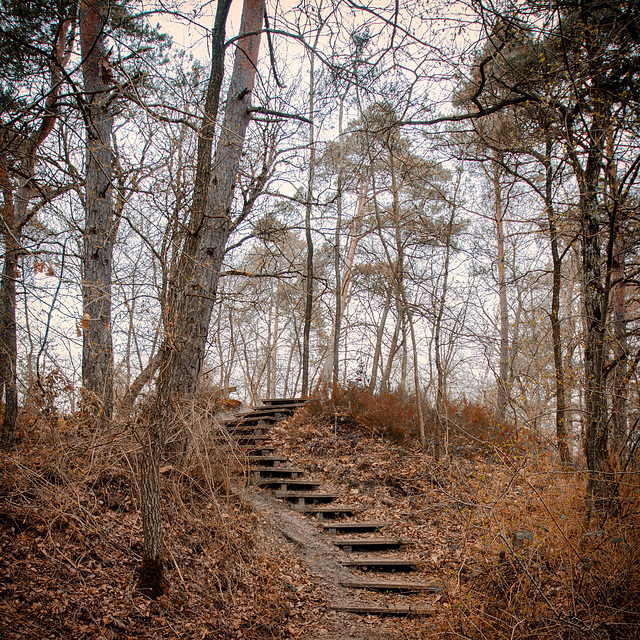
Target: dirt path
315 548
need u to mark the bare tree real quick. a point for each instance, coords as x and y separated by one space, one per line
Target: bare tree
20 143
194 280
100 225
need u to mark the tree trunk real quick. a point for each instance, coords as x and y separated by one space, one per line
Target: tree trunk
16 215
619 411
308 276
343 281
561 405
144 377
441 389
503 376
416 373
195 279
601 487
8 337
334 358
97 348
385 380
377 354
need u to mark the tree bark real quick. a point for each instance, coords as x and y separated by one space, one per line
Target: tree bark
343 281
144 377
195 279
561 405
441 389
99 231
8 337
601 487
619 410
16 214
308 276
503 376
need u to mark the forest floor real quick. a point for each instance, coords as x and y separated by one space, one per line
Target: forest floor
505 537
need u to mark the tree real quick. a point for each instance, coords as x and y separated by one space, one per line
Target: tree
195 277
29 122
581 69
100 226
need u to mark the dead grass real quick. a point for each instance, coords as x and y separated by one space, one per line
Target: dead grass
70 534
507 533
504 533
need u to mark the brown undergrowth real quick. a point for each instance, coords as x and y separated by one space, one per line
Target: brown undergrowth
71 540
506 533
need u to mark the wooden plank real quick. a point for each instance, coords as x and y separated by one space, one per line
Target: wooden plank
304 497
334 527
391 610
257 450
392 586
278 472
273 462
283 484
329 512
382 564
249 439
368 544
248 430
251 421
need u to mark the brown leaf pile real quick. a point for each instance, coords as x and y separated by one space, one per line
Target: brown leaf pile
71 542
505 533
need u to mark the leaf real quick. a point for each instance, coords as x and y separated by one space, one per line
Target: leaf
85 321
38 265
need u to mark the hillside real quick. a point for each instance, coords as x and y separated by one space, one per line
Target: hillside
502 539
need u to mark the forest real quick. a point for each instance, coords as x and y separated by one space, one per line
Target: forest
421 215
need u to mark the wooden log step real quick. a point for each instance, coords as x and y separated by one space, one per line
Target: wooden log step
251 429
392 586
283 484
272 462
382 564
364 544
251 421
257 450
390 610
248 438
329 512
286 401
273 412
306 497
276 472
336 527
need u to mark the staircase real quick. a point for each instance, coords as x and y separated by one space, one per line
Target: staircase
376 556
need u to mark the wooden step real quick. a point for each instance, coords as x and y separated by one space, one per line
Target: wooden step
284 401
291 473
306 497
251 421
248 438
370 544
336 527
273 412
392 586
257 450
282 484
329 512
390 610
251 429
272 462
382 564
